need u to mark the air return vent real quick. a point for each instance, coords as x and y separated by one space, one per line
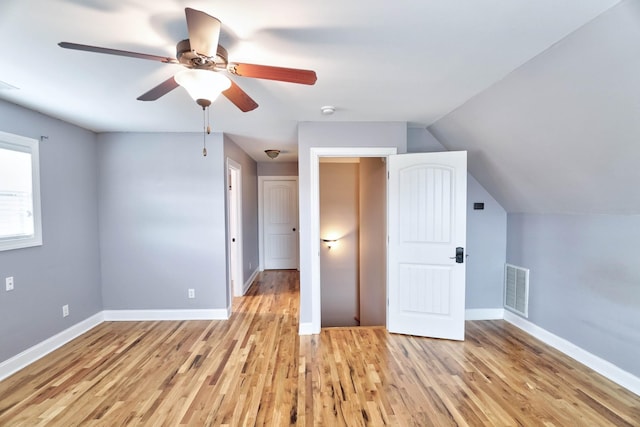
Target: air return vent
516 289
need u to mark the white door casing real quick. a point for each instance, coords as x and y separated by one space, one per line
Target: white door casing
426 223
280 223
315 153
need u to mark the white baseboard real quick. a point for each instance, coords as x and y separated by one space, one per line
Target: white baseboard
484 314
601 366
30 355
249 282
306 329
145 315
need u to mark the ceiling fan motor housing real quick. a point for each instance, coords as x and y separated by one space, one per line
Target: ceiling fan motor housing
192 59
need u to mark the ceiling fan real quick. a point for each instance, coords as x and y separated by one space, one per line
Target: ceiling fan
201 51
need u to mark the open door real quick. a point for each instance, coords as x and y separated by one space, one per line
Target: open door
427 236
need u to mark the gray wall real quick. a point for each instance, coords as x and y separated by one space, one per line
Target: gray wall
275 168
162 216
333 134
339 218
250 254
486 233
584 280
66 268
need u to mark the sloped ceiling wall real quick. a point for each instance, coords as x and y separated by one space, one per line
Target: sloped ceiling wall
561 134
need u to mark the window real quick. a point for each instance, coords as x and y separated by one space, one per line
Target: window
20 224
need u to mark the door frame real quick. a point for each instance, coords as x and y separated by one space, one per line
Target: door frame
261 239
234 226
315 153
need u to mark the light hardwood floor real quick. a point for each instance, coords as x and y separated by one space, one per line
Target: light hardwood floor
254 369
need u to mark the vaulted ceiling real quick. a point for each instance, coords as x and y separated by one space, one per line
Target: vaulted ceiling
542 93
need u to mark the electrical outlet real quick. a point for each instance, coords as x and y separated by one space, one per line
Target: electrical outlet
65 310
249 266
9 283
192 293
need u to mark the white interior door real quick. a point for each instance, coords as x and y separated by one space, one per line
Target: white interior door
427 222
280 224
234 231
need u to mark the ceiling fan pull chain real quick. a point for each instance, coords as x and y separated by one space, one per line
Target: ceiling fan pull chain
204 135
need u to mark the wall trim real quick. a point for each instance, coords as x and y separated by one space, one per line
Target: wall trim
249 282
143 315
38 351
306 328
601 366
484 314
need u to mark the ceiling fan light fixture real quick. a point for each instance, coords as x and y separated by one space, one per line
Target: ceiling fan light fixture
272 154
202 85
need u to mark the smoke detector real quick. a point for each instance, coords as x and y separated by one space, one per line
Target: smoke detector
328 110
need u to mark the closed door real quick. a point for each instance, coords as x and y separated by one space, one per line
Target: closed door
280 224
427 234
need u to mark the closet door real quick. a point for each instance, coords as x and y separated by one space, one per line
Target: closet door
280 224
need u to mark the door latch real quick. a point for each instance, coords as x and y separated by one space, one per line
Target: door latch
459 255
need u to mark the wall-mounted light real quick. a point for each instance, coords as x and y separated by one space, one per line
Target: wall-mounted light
330 242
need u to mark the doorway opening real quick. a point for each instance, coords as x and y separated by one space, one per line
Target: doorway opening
317 245
353 249
426 207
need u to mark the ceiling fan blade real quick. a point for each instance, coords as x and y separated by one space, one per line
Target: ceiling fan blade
204 31
108 51
160 90
240 98
291 75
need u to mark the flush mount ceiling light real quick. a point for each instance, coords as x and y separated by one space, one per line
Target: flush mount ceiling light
204 86
272 154
328 110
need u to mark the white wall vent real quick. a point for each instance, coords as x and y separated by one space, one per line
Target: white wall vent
516 289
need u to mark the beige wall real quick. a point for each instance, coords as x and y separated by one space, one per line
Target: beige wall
339 266
373 229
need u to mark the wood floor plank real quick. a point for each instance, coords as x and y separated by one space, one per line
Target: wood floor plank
254 369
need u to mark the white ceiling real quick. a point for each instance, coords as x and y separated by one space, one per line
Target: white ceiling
407 60
543 94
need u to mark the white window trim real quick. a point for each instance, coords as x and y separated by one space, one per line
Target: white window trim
28 145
